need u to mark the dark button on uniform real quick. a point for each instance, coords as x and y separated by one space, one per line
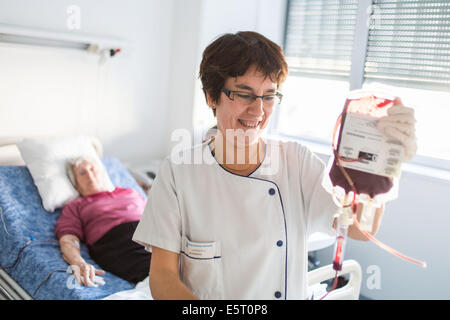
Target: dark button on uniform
279 243
271 191
277 294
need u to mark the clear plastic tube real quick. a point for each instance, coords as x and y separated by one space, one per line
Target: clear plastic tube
386 247
367 215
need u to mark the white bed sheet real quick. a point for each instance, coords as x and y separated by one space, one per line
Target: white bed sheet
140 292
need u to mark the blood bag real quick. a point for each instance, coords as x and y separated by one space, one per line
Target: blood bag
364 169
366 162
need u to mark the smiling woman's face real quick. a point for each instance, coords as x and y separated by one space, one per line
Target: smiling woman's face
251 119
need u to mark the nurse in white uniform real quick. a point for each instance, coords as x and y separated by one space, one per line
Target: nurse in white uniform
229 228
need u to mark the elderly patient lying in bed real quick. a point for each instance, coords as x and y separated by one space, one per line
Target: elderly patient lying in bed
105 221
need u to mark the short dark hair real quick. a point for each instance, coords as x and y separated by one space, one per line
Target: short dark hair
231 55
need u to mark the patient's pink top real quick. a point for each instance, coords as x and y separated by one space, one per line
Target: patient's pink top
89 218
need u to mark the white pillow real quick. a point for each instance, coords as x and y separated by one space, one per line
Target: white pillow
46 160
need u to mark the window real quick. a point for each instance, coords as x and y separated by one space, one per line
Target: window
319 37
318 49
333 46
410 43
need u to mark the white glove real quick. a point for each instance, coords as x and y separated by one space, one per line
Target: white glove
400 125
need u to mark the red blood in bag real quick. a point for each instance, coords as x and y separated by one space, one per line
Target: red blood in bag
364 182
367 183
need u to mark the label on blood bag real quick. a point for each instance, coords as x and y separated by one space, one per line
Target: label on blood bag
379 153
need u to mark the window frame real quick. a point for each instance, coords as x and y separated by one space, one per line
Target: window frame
355 81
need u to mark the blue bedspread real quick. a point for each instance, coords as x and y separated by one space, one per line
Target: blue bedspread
23 216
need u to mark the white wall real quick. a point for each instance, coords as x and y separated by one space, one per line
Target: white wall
183 69
415 224
157 81
133 128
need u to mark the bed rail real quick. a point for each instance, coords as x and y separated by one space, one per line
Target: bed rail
10 290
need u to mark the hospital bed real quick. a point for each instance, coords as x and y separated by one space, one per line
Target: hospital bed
31 263
37 270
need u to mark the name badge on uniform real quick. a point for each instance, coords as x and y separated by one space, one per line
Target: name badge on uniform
200 250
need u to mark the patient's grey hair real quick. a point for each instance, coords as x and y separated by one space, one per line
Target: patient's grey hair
73 163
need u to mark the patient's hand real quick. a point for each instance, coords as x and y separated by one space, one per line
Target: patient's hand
86 274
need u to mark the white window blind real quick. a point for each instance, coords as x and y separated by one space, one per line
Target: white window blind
401 43
409 43
319 37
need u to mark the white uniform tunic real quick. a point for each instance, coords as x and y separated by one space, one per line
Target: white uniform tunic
240 237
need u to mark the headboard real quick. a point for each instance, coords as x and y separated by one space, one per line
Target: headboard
9 153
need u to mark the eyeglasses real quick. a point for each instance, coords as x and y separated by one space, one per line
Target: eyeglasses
247 98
